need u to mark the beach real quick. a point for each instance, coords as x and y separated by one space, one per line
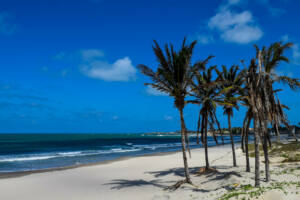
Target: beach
146 177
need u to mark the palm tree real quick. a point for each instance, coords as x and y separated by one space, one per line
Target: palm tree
173 77
206 93
213 117
252 83
270 58
264 106
233 81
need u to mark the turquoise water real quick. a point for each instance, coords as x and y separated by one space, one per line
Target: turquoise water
26 152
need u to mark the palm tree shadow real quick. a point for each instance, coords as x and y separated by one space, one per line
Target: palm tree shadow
210 176
215 176
118 184
174 171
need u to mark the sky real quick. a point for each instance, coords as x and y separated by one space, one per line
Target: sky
69 66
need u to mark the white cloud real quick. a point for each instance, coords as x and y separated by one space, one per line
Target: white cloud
168 118
6 28
227 19
205 39
242 34
121 70
154 92
235 27
89 54
92 63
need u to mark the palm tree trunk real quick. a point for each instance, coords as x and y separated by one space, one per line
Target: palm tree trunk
205 146
265 149
186 167
256 145
198 127
246 144
243 133
219 127
266 154
243 140
187 140
290 131
269 138
277 132
213 132
232 141
202 129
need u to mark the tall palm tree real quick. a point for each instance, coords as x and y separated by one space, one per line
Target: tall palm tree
233 80
252 83
270 58
173 77
206 92
264 106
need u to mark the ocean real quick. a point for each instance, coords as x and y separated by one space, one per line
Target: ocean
28 152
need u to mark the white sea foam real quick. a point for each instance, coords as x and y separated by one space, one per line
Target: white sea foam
72 153
33 157
19 159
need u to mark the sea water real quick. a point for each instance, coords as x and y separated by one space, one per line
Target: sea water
27 152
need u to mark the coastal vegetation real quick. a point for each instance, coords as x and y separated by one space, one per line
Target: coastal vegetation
210 87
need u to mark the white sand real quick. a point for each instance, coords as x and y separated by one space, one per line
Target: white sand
141 178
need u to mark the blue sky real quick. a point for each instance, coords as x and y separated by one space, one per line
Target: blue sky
70 65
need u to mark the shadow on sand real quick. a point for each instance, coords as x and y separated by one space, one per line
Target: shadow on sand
118 184
203 178
174 171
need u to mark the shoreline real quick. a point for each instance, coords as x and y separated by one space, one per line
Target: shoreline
72 152
7 175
